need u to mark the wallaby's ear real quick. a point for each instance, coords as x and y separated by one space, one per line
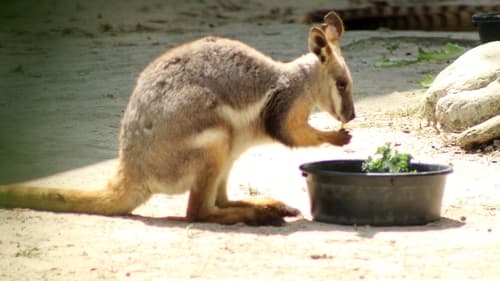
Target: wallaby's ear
318 44
333 27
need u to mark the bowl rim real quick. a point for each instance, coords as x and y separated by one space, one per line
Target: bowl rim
438 169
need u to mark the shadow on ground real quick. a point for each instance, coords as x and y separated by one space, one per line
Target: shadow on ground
299 225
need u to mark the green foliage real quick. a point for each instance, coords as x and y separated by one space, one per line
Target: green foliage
384 61
28 252
452 51
426 80
387 160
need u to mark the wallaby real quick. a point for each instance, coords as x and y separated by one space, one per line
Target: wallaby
195 109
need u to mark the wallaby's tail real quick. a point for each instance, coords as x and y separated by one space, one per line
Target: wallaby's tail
115 199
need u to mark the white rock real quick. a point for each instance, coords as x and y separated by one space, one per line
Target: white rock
460 111
473 70
481 133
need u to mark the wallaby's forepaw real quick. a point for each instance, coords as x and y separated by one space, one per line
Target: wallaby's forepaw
340 137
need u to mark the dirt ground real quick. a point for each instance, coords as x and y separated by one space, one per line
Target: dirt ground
67 70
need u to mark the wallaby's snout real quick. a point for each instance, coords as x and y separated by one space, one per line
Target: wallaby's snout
348 114
345 112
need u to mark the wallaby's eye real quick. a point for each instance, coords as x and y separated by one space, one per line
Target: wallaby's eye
341 85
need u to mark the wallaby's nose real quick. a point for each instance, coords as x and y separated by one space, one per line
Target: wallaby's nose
353 115
347 112
349 115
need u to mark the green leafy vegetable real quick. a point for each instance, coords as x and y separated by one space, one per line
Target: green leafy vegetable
387 160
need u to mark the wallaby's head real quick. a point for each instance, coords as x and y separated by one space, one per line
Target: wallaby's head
335 89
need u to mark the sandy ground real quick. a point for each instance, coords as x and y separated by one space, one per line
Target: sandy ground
67 70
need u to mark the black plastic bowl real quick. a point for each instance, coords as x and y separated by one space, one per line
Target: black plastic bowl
342 193
488 25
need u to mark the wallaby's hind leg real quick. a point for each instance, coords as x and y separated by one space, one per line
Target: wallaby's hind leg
266 203
202 208
208 199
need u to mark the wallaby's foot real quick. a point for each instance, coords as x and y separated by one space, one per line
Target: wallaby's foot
267 204
264 217
255 212
273 215
267 211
